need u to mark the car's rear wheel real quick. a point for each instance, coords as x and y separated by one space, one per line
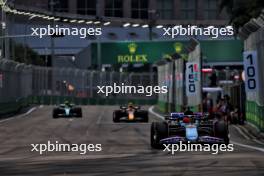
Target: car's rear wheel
78 112
116 117
55 113
159 130
221 130
146 119
144 116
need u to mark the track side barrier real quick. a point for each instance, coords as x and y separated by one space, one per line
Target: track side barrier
253 34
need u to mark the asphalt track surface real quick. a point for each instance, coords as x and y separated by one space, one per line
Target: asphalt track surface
126 149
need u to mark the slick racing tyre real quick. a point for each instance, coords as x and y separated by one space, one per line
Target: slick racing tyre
221 131
144 116
55 113
116 116
159 130
78 112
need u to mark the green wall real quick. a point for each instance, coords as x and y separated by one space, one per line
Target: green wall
255 114
213 50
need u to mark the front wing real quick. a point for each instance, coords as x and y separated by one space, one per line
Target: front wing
201 139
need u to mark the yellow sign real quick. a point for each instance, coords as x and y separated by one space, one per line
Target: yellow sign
178 47
132 57
132 47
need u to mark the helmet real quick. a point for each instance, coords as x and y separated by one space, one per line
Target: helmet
130 104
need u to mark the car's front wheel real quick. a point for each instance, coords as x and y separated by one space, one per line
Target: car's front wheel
159 130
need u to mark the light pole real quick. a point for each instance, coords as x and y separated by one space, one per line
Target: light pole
25 38
52 3
3 27
153 15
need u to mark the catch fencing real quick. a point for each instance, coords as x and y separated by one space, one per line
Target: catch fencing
21 85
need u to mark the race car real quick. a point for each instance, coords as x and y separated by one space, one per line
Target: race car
67 110
193 128
130 113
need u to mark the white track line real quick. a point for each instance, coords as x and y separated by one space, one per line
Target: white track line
19 116
247 134
241 132
258 141
100 117
233 142
154 113
248 146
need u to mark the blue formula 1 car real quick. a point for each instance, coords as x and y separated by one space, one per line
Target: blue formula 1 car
67 110
194 128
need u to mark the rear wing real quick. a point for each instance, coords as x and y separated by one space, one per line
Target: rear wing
122 107
181 115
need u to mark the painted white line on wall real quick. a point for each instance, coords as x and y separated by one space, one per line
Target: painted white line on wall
154 113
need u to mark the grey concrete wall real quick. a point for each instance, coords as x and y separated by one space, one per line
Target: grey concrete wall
256 42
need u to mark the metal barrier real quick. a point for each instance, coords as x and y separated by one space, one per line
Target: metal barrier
22 84
15 85
171 73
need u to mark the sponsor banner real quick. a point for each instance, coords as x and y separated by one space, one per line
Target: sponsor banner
251 71
193 79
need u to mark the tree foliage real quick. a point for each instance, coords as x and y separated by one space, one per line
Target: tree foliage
25 54
241 11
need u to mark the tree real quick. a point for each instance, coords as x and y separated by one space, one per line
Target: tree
241 11
32 57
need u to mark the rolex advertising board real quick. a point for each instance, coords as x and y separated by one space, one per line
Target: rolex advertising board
149 52
136 52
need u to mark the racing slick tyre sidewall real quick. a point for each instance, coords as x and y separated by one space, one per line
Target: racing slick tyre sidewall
159 130
78 112
145 117
221 130
115 116
55 113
